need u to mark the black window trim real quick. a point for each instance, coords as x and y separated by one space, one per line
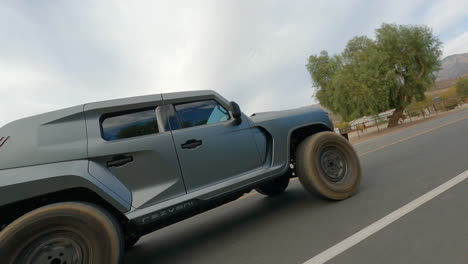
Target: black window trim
173 114
126 112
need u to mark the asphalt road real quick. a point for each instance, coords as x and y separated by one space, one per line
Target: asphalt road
295 226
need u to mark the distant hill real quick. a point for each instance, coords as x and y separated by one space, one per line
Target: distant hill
445 84
453 66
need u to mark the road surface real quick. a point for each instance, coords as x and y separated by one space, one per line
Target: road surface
295 227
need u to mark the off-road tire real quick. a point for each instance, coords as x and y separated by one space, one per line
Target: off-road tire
62 233
326 164
275 186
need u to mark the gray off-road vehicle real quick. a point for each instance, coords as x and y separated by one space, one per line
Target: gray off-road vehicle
80 184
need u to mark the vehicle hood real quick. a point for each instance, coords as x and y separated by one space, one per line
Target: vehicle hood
302 115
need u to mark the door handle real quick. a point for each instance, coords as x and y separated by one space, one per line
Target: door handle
120 160
191 144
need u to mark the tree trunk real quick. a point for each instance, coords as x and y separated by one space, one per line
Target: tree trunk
423 68
397 114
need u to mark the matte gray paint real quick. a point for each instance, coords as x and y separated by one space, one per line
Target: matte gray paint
154 174
28 182
227 151
124 103
51 137
180 97
154 180
281 124
261 140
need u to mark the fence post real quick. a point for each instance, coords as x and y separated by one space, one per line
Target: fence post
376 121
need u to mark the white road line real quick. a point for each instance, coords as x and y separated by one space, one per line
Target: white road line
385 221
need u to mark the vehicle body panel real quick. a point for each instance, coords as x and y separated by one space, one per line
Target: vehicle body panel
65 148
281 124
227 151
32 181
154 174
52 137
271 132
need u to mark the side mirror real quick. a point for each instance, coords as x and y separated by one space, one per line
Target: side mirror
236 113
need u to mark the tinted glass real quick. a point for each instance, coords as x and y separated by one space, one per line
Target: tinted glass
201 113
130 125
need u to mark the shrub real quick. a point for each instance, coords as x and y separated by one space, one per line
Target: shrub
412 113
418 107
343 127
462 87
450 93
451 104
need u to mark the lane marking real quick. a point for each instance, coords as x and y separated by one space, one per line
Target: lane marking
413 136
385 221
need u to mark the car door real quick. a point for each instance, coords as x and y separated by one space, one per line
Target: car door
212 147
132 143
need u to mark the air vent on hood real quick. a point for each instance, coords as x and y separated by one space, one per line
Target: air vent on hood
3 140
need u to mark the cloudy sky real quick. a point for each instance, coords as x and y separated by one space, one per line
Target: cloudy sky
55 54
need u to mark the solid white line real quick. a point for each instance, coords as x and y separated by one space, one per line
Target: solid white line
385 221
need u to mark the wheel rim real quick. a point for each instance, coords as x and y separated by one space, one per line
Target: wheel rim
56 248
333 164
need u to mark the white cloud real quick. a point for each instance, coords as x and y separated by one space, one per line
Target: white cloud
24 90
442 15
457 45
57 54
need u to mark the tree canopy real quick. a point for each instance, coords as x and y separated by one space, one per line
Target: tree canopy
375 75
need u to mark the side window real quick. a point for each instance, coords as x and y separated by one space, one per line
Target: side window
127 125
201 113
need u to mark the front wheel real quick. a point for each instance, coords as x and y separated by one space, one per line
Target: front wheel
68 232
327 164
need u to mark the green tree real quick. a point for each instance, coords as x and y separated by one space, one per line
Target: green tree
371 76
462 87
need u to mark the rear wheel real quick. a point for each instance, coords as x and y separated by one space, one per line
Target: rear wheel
276 186
62 233
327 164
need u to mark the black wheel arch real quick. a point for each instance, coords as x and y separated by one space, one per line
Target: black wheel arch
13 211
300 134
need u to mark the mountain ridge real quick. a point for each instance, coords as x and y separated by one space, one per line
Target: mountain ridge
453 66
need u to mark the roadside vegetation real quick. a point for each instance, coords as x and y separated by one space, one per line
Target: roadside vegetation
392 71
462 88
